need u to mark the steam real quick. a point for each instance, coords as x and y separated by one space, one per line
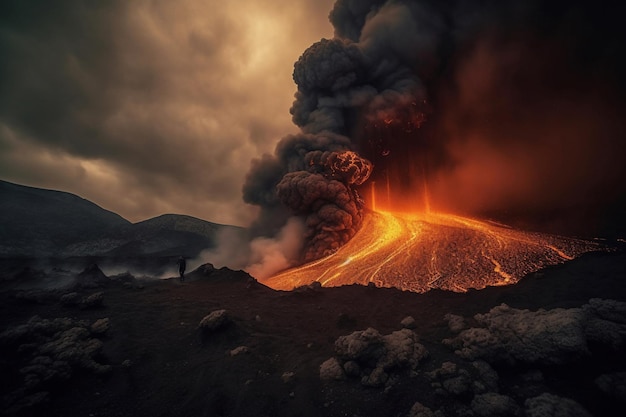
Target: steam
272 255
496 107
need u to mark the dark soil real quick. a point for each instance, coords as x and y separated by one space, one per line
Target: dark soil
164 365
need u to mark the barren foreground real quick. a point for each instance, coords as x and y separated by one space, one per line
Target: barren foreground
346 351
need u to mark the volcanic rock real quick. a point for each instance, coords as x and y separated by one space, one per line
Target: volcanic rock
613 384
214 321
331 370
493 404
552 405
548 337
381 355
239 351
70 299
420 410
94 300
100 326
91 277
408 322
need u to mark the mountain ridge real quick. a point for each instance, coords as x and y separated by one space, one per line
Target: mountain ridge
39 222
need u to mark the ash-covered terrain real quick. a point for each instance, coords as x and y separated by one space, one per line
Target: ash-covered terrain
222 344
117 333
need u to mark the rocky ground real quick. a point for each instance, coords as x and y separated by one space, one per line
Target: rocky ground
221 344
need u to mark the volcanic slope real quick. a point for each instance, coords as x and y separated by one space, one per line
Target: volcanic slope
420 252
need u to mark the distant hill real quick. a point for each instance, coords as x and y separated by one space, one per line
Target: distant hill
44 223
39 222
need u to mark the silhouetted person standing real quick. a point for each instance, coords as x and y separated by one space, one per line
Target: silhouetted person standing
182 264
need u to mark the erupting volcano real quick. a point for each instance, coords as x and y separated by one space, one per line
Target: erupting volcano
420 252
415 110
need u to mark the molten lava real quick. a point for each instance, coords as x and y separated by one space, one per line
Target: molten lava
419 252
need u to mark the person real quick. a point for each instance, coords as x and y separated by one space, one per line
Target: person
182 264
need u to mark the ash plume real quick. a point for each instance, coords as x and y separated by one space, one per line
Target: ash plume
314 177
502 108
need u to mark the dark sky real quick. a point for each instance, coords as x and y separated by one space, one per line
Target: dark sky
149 107
152 107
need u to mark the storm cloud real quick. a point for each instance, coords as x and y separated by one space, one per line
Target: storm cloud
148 107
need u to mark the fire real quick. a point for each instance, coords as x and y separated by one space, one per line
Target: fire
422 251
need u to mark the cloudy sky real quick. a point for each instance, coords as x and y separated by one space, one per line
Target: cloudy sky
149 107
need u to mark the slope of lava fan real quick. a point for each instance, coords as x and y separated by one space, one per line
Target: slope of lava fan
419 252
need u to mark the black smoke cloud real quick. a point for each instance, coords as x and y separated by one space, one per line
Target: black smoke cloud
313 175
506 109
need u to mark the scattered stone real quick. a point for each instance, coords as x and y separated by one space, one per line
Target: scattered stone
377 378
607 333
315 285
216 320
402 350
94 300
419 410
551 405
610 310
91 277
331 370
100 326
492 404
458 385
376 358
510 335
70 299
287 377
311 288
52 350
239 350
365 346
455 323
352 368
486 375
408 322
547 337
446 369
614 385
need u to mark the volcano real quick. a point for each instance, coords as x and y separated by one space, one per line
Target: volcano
422 251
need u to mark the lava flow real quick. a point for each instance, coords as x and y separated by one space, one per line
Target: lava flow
419 252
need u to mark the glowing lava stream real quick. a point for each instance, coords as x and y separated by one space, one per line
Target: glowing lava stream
419 252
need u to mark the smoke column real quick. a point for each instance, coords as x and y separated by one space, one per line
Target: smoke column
506 108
